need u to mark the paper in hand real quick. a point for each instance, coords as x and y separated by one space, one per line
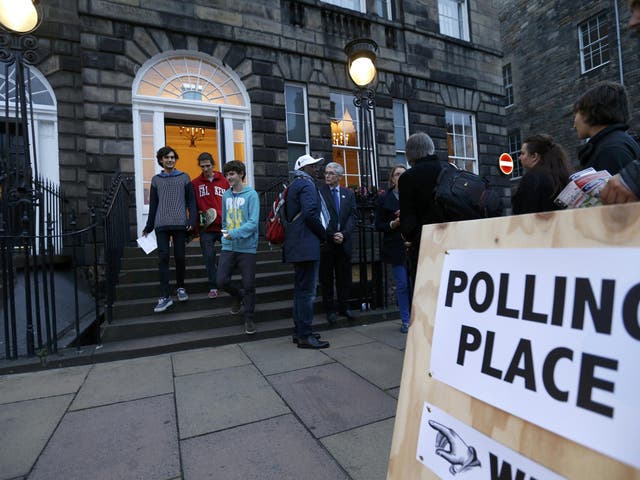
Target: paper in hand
148 243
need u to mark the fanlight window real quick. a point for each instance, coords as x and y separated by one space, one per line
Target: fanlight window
40 94
190 78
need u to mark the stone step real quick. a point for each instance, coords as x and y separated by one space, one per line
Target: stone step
223 335
198 302
193 258
193 248
178 320
195 269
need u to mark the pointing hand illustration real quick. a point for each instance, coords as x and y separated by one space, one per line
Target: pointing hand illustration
453 449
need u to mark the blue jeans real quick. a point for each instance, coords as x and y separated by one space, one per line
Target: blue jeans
402 292
208 245
305 282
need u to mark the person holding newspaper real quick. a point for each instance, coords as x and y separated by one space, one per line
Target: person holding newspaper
548 171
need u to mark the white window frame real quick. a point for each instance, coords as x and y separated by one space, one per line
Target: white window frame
507 79
514 142
597 47
385 6
461 158
453 18
350 4
304 113
404 125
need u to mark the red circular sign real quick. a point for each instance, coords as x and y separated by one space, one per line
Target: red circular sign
505 163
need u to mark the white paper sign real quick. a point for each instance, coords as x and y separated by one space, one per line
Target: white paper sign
148 243
452 449
549 335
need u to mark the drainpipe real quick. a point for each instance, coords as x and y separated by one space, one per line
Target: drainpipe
615 8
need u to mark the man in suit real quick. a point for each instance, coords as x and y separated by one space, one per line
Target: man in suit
335 255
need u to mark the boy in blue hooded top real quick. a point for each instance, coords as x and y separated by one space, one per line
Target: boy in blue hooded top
170 198
240 216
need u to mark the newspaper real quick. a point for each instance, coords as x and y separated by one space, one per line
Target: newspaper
583 189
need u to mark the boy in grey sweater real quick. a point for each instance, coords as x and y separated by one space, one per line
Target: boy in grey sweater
172 214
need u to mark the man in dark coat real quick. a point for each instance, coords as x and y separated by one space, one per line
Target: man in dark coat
305 232
335 254
601 115
416 194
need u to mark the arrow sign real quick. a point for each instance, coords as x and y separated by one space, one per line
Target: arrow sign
505 163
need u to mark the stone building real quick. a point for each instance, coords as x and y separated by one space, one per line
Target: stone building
554 51
259 81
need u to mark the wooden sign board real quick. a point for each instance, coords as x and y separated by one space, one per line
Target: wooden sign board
609 228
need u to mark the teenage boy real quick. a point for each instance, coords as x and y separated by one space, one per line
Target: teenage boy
240 215
208 189
172 213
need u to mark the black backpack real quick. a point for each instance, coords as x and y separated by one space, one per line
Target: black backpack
462 195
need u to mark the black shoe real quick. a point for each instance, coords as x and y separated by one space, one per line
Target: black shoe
312 342
332 318
294 337
348 315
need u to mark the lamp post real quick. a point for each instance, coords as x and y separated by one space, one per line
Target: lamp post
361 54
18 198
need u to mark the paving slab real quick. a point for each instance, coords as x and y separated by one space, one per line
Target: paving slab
25 428
125 380
219 399
331 399
385 332
275 449
363 452
277 355
136 439
204 359
344 337
49 383
379 363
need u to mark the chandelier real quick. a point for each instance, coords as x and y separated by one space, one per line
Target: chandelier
194 134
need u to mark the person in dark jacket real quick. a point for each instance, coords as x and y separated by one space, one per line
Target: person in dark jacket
548 170
305 232
392 251
172 213
335 253
416 186
625 186
601 115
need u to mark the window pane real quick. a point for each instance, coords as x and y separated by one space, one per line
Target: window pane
296 128
294 99
295 151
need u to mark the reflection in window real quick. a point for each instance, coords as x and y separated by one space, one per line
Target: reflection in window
344 137
40 94
454 21
296 111
238 140
400 131
507 81
190 78
461 140
357 5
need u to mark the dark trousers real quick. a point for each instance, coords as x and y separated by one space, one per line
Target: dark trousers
208 245
305 280
335 264
246 263
179 249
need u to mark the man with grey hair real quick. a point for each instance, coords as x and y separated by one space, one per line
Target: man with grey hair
415 188
335 253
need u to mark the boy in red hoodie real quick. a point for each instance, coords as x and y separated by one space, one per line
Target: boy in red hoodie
208 189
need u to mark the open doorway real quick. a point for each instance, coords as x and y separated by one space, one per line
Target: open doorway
190 139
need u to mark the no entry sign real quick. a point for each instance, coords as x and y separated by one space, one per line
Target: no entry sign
506 163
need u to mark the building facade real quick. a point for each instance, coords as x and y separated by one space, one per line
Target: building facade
258 81
553 52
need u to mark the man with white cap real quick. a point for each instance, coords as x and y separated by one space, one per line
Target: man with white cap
305 232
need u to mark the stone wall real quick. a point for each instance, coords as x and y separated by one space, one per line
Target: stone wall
92 49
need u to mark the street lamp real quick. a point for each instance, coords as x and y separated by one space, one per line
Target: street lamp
19 197
361 54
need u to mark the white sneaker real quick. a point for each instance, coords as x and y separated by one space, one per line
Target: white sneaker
163 304
182 295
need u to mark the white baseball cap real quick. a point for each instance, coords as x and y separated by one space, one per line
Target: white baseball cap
305 160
